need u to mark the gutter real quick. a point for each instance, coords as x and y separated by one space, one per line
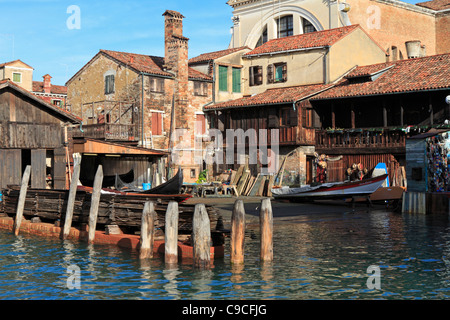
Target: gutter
284 51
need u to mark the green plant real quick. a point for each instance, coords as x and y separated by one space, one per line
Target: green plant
202 176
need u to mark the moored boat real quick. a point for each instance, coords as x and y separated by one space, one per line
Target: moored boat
333 190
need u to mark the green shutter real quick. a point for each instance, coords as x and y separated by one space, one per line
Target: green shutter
236 80
223 78
279 73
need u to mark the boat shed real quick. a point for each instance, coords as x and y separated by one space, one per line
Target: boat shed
32 132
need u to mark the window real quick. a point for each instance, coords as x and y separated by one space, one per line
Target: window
236 80
277 72
200 88
285 26
263 39
17 77
57 103
288 117
157 85
157 123
256 77
109 84
223 78
307 117
308 27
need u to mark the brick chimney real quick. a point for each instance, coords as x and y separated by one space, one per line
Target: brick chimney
176 62
47 83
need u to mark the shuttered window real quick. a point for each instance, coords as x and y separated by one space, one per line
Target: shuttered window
223 78
200 124
256 77
277 72
236 80
157 123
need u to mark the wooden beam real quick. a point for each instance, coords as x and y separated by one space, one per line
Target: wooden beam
147 231
95 201
352 116
266 227
201 237
22 197
237 232
171 234
72 195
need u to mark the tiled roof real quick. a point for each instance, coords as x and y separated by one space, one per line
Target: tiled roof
436 5
215 55
65 114
38 86
370 70
420 74
144 63
273 96
303 41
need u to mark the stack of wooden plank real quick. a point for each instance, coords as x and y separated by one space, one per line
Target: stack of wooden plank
114 209
250 185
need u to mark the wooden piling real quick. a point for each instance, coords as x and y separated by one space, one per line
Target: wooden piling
201 237
147 230
171 234
71 199
22 197
237 232
266 225
95 201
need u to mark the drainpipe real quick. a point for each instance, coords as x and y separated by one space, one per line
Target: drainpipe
142 108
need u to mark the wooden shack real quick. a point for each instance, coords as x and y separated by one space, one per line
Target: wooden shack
32 132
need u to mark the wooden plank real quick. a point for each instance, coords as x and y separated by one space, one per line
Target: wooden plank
237 232
243 181
266 227
147 231
72 197
38 163
201 238
270 186
256 185
22 197
171 234
95 201
260 190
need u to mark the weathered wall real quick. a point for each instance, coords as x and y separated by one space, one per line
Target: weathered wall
442 33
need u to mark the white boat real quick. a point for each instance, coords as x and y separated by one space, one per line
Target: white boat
332 190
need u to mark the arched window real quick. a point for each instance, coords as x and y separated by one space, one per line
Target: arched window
307 26
263 39
285 26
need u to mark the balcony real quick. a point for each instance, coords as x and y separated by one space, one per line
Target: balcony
109 131
360 141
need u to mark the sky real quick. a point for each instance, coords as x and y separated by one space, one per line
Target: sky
48 35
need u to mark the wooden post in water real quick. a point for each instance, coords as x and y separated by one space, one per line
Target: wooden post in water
147 230
171 234
22 197
237 232
266 225
201 237
95 201
72 196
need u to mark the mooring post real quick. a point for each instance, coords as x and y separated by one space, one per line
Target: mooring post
95 201
147 230
266 225
171 234
237 232
201 237
72 196
22 197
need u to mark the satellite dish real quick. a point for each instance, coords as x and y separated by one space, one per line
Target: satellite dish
447 99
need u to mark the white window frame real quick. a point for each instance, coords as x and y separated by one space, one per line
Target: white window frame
21 76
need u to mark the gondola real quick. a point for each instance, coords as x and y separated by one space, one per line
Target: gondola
172 186
109 181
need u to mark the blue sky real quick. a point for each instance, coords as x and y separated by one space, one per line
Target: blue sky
36 32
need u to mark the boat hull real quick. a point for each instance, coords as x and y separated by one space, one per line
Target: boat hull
337 190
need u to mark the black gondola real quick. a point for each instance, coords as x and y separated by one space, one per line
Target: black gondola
172 186
109 181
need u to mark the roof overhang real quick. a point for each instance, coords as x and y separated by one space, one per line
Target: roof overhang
92 146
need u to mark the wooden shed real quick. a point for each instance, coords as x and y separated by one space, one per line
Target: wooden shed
32 132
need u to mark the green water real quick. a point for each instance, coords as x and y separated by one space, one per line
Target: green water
316 256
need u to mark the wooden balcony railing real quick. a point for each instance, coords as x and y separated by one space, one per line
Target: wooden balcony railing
381 139
109 131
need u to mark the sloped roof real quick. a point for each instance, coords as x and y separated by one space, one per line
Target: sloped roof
310 40
142 63
436 5
11 62
205 57
411 75
38 86
63 114
273 96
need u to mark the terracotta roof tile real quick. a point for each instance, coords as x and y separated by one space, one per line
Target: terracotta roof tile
436 5
273 96
420 74
303 41
204 57
38 86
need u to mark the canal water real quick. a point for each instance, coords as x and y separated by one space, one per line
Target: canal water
328 255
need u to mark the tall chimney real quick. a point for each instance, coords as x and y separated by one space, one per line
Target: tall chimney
47 83
176 62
